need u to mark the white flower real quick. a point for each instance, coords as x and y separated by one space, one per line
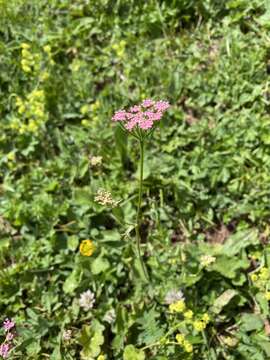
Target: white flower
110 316
173 296
67 335
104 198
95 160
87 300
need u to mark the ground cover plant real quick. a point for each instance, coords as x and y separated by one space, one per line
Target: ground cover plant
72 283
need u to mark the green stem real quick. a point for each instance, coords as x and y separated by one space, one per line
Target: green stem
138 216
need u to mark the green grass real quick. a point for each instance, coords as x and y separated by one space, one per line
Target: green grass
206 177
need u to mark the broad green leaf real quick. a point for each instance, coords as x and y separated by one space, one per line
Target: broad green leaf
250 322
100 265
72 281
131 353
239 241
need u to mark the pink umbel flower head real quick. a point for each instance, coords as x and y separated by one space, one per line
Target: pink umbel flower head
8 324
4 350
143 115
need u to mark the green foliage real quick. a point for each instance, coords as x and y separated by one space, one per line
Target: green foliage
65 67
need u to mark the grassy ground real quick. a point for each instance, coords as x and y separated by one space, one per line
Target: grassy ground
65 68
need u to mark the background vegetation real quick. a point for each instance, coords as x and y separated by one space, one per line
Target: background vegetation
65 67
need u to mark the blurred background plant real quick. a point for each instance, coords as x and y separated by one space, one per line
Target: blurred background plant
65 66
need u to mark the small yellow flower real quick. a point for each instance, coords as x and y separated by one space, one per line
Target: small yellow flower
87 247
178 306
206 318
101 357
267 295
85 122
26 69
47 49
254 277
26 53
11 156
21 109
188 346
84 109
180 338
44 76
188 314
32 126
199 325
264 274
25 46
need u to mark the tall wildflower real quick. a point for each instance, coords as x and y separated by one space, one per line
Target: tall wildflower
139 121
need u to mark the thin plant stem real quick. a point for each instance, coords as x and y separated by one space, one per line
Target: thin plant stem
138 216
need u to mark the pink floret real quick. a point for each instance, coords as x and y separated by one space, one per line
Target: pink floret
145 125
147 103
4 350
120 115
162 105
135 109
8 324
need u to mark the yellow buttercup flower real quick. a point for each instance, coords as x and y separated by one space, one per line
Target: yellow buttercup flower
87 248
178 306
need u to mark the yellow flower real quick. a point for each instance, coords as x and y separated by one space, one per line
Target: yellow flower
264 274
32 126
101 357
188 346
85 122
26 53
267 295
84 109
95 105
188 314
21 109
25 46
178 306
199 325
254 277
180 338
44 76
26 69
47 49
11 156
206 318
87 247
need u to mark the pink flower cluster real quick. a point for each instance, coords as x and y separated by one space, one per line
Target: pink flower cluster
143 115
5 347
